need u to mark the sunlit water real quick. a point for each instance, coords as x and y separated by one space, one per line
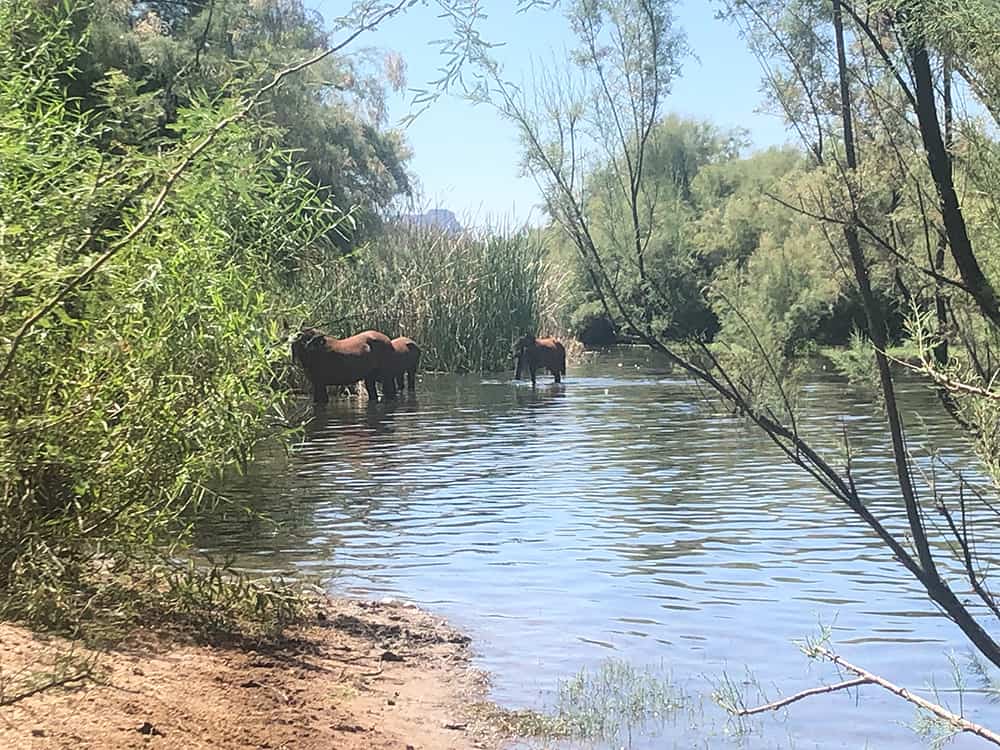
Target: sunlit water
616 516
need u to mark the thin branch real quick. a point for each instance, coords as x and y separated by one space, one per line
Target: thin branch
816 148
883 53
767 360
957 386
763 58
821 690
204 35
975 580
60 682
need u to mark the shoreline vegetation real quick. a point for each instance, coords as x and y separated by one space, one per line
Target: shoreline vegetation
171 212
144 351
349 673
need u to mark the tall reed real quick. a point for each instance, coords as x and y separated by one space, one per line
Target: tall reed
463 296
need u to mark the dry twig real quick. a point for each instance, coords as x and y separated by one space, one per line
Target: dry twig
782 702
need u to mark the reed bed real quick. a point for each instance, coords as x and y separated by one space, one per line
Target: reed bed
463 297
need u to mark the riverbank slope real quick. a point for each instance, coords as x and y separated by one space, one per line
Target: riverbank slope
359 675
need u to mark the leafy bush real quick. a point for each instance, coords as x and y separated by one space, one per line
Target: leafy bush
137 339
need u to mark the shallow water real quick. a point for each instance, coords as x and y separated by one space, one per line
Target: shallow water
616 516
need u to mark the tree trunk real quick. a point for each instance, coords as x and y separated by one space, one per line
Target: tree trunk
939 161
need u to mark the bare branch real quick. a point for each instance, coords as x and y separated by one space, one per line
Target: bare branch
958 722
962 537
939 378
822 690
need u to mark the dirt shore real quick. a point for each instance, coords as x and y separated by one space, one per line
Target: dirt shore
364 675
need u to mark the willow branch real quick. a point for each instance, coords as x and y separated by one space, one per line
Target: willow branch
939 378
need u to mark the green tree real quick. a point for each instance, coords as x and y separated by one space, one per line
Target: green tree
889 210
159 235
165 56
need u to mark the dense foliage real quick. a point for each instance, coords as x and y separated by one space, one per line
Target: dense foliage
139 337
726 250
161 57
931 261
168 216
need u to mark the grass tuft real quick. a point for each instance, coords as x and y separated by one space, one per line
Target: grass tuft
608 704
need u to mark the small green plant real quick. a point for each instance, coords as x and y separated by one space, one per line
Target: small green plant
731 696
611 704
856 361
616 700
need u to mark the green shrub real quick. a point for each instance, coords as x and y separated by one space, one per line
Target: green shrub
129 378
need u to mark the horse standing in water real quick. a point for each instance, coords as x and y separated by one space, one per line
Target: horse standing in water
405 362
534 353
330 361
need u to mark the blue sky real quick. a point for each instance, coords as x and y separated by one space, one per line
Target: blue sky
466 157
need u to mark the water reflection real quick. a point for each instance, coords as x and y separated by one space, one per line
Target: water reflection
610 514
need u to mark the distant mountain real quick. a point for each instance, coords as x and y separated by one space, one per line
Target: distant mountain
434 217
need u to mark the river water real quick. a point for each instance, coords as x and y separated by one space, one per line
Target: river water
616 516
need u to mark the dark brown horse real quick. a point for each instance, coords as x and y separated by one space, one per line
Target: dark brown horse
331 361
535 353
406 359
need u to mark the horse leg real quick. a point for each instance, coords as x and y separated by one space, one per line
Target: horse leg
389 388
411 379
370 387
320 396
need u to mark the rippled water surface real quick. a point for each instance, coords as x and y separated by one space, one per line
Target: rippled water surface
615 516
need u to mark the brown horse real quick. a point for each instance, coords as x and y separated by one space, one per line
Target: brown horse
406 359
536 353
330 361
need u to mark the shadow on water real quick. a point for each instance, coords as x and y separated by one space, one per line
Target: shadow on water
539 397
350 419
609 514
